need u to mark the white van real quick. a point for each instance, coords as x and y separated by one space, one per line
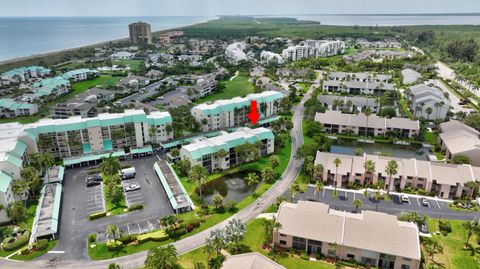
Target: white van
127 173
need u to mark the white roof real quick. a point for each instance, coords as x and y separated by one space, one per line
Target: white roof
9 134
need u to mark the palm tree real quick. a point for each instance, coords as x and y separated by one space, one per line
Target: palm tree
293 191
217 200
268 174
471 227
429 111
357 203
31 175
377 196
46 160
367 112
16 211
251 180
162 257
318 188
110 166
337 162
369 167
391 169
432 246
222 154
198 174
473 186
21 188
274 161
318 171
216 241
113 232
169 221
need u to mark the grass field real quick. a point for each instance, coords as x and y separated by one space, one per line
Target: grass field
454 256
239 86
133 64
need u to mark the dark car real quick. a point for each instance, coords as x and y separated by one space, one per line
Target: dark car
93 180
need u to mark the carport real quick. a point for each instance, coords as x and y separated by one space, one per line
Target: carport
141 152
86 160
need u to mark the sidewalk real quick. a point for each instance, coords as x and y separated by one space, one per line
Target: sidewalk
362 191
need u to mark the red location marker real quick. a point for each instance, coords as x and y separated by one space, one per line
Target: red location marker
253 115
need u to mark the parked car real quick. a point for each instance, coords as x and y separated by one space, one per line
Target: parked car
425 202
404 199
93 180
132 187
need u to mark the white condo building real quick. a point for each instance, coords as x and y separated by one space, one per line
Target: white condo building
223 114
204 152
268 56
235 52
313 49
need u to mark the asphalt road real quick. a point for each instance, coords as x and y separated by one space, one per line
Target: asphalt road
434 209
74 242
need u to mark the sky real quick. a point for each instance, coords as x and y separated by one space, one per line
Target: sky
229 7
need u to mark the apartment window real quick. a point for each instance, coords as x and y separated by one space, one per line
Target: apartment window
299 243
283 242
405 266
351 256
283 235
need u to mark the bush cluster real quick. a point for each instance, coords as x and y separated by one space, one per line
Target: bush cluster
135 207
156 236
114 245
41 244
9 245
98 215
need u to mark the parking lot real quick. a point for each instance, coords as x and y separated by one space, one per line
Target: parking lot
344 201
133 197
135 227
94 199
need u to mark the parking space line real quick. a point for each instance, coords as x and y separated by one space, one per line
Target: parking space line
354 196
323 194
436 201
418 201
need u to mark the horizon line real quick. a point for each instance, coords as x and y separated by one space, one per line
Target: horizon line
253 15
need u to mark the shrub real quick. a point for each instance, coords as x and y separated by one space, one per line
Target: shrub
125 239
24 251
445 227
189 228
114 245
92 238
41 244
176 233
135 207
98 215
195 222
156 236
304 256
9 245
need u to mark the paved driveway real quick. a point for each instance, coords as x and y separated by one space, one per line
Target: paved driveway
94 199
344 200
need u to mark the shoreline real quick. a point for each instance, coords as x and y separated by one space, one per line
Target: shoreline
52 53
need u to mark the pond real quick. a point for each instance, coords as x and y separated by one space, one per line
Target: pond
231 187
343 146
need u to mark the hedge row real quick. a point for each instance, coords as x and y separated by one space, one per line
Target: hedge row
156 236
135 207
20 242
98 215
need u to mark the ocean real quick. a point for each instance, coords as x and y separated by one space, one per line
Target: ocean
25 36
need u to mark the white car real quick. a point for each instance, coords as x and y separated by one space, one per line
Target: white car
404 199
132 187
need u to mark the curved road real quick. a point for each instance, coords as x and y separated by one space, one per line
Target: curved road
137 260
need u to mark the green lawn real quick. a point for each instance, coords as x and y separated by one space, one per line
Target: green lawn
133 64
237 87
454 256
31 256
253 242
